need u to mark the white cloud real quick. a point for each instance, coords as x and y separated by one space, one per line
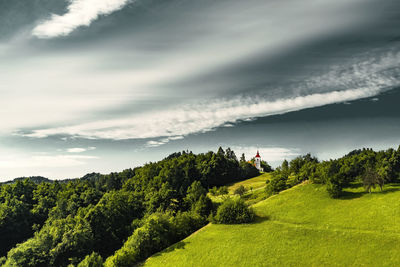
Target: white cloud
36 161
79 149
80 13
163 141
196 118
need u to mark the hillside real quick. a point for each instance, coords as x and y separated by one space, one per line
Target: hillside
301 226
35 179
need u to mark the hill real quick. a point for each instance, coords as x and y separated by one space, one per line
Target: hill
35 179
301 226
101 218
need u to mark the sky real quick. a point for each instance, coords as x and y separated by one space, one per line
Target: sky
105 85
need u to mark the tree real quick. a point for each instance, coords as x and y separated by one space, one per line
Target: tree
371 178
195 191
266 167
242 158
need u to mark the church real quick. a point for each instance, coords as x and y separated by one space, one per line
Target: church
257 162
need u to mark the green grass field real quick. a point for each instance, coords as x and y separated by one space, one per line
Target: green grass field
301 227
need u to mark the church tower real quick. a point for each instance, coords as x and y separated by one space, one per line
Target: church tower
257 162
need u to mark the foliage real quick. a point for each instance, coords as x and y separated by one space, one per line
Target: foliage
248 170
158 232
218 191
80 221
234 211
92 260
266 167
371 178
240 190
373 168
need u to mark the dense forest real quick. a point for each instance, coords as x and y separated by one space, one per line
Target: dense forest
117 219
364 166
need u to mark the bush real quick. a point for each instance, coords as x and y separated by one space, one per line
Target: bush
334 189
276 184
234 212
240 190
203 206
223 190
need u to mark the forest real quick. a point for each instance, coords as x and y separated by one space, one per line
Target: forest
118 219
366 166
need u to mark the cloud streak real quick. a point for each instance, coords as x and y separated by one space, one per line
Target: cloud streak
44 161
196 118
80 149
80 13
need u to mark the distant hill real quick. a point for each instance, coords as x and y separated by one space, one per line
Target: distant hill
35 179
301 226
40 179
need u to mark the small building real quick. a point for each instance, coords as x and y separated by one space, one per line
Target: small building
257 162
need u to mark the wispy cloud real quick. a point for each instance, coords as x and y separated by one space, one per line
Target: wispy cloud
25 161
80 13
163 141
80 149
196 118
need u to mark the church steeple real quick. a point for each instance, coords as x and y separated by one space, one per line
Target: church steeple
257 161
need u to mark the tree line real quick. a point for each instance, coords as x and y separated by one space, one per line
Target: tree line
372 168
116 219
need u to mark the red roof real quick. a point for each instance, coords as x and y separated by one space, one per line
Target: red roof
258 155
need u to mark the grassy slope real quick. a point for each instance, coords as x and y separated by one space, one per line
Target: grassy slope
255 183
254 187
301 227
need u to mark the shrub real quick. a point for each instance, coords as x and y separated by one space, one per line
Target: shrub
240 190
234 212
223 190
203 206
276 184
334 189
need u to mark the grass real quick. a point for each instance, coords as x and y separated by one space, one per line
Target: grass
255 183
301 226
254 187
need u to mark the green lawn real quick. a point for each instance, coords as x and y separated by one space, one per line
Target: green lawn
301 227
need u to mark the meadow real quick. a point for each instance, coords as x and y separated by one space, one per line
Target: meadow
301 226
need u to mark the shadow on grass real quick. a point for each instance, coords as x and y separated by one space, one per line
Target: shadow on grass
259 219
352 195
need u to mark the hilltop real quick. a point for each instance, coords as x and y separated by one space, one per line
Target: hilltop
301 226
35 179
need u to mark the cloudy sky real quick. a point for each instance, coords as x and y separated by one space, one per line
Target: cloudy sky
104 85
